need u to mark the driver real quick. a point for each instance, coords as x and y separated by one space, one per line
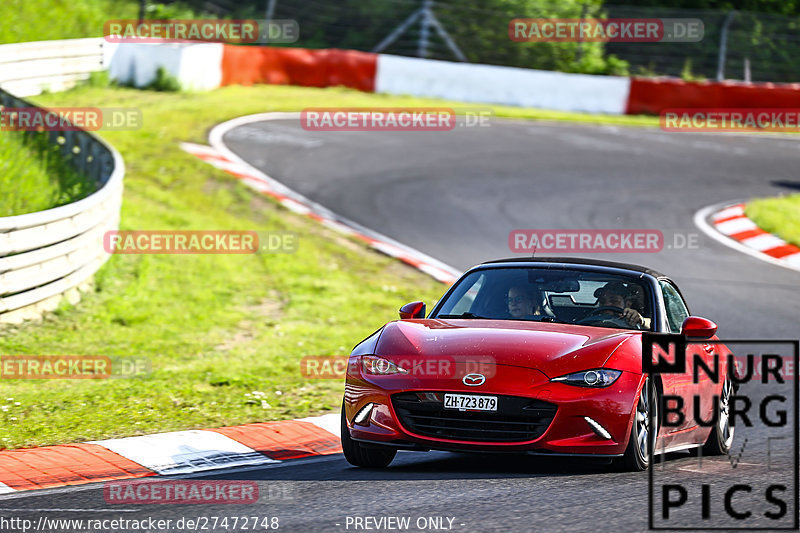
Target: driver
616 294
635 300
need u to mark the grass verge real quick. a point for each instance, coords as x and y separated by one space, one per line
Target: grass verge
34 177
44 20
224 333
780 216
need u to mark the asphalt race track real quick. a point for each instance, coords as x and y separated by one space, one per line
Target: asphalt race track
456 196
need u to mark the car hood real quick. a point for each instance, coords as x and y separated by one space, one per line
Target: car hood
554 349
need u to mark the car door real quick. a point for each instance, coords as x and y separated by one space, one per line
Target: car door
681 385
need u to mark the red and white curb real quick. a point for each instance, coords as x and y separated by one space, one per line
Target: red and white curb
223 158
178 452
727 224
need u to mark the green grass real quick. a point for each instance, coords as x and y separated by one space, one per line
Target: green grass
780 216
44 20
34 177
222 332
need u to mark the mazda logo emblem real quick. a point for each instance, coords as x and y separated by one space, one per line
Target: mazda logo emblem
473 380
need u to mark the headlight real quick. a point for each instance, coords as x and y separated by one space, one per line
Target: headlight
600 377
378 366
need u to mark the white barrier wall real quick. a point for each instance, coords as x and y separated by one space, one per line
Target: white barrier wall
28 68
468 82
197 67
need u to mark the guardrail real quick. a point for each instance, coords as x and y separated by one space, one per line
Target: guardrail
54 253
28 68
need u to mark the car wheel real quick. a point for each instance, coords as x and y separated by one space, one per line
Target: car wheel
637 454
359 455
720 439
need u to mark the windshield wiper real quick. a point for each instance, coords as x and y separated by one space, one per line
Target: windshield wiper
462 315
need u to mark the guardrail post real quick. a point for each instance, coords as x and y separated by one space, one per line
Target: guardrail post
723 45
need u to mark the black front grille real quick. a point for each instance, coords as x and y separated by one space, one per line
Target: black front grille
516 419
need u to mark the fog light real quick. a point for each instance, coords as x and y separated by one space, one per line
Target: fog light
363 415
597 428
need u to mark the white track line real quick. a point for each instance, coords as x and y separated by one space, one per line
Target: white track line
330 423
182 452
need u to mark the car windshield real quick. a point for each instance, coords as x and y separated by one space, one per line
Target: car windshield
551 295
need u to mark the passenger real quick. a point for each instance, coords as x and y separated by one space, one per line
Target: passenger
524 303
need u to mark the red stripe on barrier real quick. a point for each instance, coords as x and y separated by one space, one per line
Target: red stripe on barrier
73 464
248 65
290 439
651 96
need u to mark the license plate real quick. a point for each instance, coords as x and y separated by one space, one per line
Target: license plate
470 402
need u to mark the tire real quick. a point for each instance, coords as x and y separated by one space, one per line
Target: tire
720 440
362 456
636 456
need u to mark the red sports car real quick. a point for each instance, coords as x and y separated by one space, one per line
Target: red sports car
538 356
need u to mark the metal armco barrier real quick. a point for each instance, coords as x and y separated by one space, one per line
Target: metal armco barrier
50 254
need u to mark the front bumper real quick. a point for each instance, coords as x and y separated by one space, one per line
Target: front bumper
565 430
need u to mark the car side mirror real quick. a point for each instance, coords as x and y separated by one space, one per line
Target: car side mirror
413 310
698 327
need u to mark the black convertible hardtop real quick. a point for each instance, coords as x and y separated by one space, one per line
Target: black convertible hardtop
555 261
